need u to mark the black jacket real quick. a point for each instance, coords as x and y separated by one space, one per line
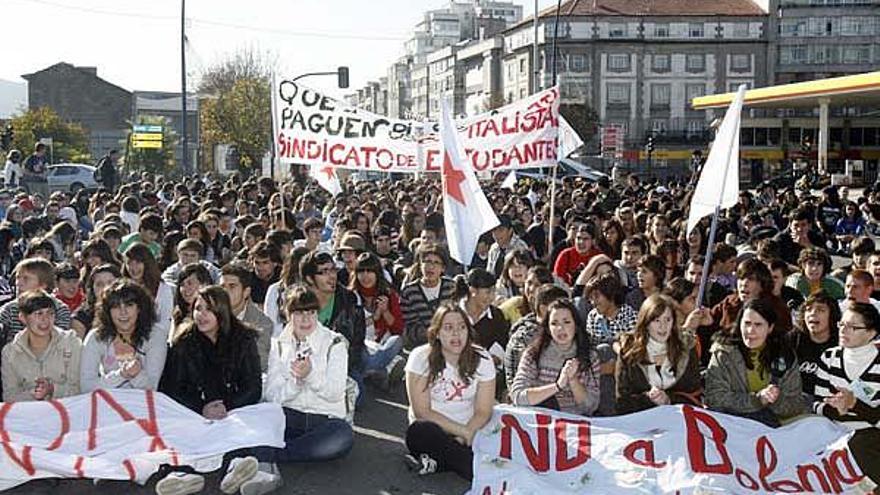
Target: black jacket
195 374
348 321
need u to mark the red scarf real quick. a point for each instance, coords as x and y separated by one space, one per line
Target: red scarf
74 302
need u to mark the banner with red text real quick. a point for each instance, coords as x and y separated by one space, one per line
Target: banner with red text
314 129
670 449
123 435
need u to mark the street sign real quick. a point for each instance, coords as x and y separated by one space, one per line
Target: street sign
146 144
139 136
147 128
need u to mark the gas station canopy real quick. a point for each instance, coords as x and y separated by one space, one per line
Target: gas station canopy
856 90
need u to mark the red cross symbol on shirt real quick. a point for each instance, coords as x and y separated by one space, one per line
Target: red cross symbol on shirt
457 391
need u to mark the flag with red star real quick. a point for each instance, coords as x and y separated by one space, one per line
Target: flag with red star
466 211
326 177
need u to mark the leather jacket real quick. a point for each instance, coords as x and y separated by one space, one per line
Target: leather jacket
348 321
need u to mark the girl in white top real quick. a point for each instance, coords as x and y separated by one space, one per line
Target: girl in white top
140 266
122 351
450 383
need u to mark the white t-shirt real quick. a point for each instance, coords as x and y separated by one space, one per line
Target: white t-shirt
449 394
431 293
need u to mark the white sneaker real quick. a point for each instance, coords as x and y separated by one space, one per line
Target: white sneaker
241 469
395 370
180 484
262 483
421 465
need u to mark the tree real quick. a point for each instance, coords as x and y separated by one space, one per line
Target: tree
236 109
153 160
582 118
69 141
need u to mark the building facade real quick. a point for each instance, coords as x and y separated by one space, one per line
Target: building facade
169 106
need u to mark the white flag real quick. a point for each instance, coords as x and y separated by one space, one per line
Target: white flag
509 181
569 140
326 178
719 180
466 211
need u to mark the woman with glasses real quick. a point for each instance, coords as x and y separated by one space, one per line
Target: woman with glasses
848 385
123 351
450 383
384 319
752 373
560 370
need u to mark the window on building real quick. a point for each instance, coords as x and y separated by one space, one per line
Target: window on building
578 63
733 87
857 54
522 66
741 62
695 30
660 94
618 93
696 62
661 30
695 127
617 30
660 63
618 62
522 93
694 91
659 126
741 30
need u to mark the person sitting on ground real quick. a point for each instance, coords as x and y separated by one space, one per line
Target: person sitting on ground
847 383
189 251
420 298
860 250
574 259
237 279
815 266
190 279
149 232
97 279
42 361
658 364
212 367
815 332
752 373
515 308
560 370
450 384
31 274
122 351
527 329
67 289
307 376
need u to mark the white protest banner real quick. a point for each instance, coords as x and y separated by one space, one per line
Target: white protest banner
314 129
123 435
669 449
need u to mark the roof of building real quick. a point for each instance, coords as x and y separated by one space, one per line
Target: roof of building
64 66
653 8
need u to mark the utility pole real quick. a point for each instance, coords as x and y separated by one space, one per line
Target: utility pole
535 65
185 162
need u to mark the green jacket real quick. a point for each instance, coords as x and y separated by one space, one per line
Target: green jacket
727 388
830 285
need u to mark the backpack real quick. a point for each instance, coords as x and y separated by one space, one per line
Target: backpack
98 174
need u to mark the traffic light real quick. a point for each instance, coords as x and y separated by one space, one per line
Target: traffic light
806 144
649 146
7 137
342 75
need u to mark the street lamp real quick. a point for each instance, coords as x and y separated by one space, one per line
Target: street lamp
341 74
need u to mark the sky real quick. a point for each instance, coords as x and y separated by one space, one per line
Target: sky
136 44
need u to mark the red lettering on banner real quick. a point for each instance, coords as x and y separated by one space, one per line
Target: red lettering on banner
78 467
696 442
433 160
582 453
149 425
129 467
803 476
647 459
24 460
539 459
834 463
743 477
767 462
488 490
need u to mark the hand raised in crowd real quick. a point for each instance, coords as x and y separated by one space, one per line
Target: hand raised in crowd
300 368
214 410
769 394
658 396
43 389
843 401
381 305
699 317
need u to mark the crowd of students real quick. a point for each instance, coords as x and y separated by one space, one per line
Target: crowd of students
222 294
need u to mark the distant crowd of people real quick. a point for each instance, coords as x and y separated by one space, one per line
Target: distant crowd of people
222 293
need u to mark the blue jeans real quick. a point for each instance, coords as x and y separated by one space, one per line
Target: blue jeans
377 360
309 438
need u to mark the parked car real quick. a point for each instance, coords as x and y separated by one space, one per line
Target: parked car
567 168
71 177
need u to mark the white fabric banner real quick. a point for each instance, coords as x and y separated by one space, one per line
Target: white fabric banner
312 128
669 449
123 435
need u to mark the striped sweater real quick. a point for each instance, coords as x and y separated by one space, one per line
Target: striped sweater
545 370
831 376
418 311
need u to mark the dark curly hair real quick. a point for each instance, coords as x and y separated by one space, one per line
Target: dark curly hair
124 291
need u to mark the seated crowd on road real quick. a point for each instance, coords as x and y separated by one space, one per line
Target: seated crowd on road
223 293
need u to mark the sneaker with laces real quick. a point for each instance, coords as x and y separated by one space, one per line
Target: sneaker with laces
263 482
421 465
180 484
240 470
395 371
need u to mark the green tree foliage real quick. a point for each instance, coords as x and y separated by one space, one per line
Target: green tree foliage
235 108
153 160
69 141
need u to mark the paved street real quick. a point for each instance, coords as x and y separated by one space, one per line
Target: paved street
374 467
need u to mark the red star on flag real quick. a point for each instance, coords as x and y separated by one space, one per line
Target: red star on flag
329 172
452 179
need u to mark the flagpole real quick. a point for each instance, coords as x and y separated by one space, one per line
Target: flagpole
558 141
714 229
